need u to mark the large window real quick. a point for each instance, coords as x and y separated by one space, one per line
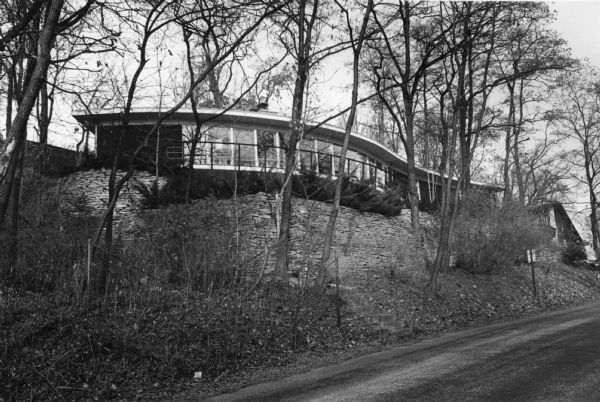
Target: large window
266 150
244 149
217 146
324 157
308 160
353 165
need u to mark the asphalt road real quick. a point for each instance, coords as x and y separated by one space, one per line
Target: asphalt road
550 357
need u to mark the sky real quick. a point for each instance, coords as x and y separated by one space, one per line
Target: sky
579 24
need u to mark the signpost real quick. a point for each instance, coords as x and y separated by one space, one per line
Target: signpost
531 258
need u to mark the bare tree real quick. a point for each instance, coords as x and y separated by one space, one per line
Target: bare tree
411 41
462 81
15 139
300 23
156 17
528 54
577 117
357 45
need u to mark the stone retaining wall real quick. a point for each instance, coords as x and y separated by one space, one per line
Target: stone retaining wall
86 192
361 239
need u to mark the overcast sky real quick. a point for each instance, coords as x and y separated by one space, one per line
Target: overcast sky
579 24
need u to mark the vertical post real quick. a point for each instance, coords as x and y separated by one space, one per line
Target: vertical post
531 261
89 262
256 159
338 303
533 280
211 155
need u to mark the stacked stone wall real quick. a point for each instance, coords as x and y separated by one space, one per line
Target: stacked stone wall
86 192
362 239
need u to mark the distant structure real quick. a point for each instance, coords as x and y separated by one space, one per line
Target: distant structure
256 141
559 225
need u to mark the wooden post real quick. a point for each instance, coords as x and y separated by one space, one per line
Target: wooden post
338 301
89 261
531 259
533 280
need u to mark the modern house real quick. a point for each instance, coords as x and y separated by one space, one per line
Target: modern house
254 141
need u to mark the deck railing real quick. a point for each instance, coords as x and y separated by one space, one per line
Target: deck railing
271 158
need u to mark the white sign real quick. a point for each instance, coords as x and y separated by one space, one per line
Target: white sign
531 257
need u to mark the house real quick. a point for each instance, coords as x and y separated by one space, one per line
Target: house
254 141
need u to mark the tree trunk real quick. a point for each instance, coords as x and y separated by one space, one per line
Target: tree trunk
516 141
593 199
44 123
13 231
408 99
508 143
15 140
296 131
322 275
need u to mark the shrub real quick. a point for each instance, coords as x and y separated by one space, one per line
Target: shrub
573 254
360 195
184 248
488 237
51 252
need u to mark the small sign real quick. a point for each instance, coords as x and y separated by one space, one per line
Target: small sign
531 257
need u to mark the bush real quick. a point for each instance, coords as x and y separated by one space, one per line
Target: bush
360 195
185 249
489 237
51 252
573 254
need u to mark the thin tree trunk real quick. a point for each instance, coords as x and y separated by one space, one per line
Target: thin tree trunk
15 140
516 141
13 240
508 142
44 123
342 161
296 132
593 200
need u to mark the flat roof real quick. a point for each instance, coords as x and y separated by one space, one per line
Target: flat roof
264 118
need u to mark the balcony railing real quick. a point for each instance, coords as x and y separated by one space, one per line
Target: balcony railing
270 158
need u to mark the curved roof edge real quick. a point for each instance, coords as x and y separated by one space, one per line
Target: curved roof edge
374 148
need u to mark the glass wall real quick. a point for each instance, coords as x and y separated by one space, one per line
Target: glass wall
239 147
266 149
307 157
244 148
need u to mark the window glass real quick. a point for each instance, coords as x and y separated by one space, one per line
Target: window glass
244 148
307 144
267 153
323 147
217 134
217 144
324 157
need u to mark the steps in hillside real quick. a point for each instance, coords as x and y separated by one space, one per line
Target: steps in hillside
386 321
